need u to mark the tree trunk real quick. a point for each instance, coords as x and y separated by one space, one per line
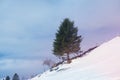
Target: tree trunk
68 58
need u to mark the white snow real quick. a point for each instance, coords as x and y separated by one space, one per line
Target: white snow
100 64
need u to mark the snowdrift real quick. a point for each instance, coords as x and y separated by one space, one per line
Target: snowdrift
103 63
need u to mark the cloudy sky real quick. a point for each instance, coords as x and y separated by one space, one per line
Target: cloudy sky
28 27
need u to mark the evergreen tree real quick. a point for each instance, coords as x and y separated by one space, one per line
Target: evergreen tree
15 77
67 41
7 78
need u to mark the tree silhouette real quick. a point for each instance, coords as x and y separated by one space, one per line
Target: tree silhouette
15 77
7 78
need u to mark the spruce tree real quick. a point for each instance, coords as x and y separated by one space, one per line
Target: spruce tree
15 77
7 78
67 41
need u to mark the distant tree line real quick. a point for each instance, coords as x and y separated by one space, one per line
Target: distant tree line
15 77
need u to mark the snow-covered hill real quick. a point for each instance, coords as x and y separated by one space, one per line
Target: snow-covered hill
103 63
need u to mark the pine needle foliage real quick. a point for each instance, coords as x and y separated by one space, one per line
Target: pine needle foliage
67 40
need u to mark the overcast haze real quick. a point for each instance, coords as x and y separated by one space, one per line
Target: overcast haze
28 27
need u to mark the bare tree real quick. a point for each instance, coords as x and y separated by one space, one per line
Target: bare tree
49 63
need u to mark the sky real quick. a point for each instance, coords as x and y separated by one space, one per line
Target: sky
28 27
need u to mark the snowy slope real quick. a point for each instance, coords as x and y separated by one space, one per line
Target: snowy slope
103 63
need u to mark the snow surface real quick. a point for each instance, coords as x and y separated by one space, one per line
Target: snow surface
2 78
103 63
